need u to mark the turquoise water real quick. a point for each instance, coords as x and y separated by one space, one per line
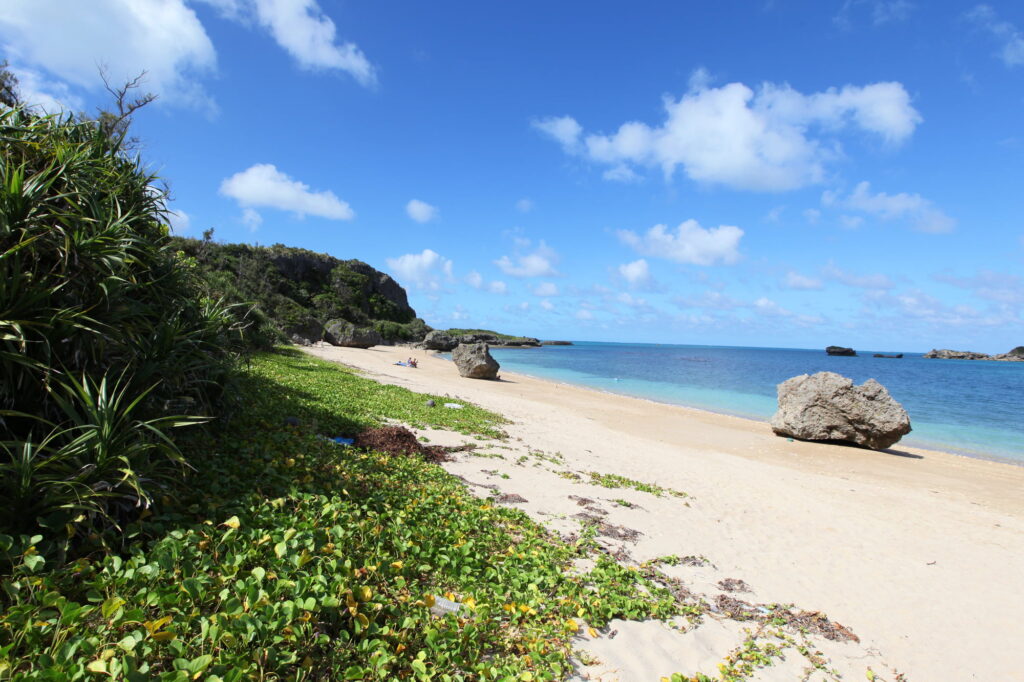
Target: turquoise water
969 407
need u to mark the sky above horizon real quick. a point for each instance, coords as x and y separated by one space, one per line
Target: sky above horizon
777 173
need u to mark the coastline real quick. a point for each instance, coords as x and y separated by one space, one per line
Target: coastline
919 552
936 448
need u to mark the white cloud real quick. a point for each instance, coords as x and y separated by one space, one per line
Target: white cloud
812 215
179 221
46 94
475 279
537 263
690 243
773 139
920 212
1011 39
262 185
421 211
304 30
621 173
497 287
794 280
882 12
546 289
989 285
252 219
426 270
711 300
636 272
873 281
68 39
584 315
524 205
547 305
564 129
851 222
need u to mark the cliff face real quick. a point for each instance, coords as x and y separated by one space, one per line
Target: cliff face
300 291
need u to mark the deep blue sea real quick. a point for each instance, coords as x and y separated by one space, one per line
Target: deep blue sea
969 407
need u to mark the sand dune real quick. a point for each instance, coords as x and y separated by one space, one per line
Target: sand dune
920 553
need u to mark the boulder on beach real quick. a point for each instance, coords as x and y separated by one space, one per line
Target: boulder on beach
344 333
946 354
439 340
840 350
475 362
827 406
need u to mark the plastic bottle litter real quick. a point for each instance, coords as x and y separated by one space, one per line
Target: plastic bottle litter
443 606
454 406
343 441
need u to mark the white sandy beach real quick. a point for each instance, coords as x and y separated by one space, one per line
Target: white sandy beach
920 553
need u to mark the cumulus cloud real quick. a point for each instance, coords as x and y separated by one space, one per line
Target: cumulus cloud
263 186
635 273
990 285
564 129
524 205
421 211
304 31
812 215
68 39
475 279
252 219
45 94
881 12
584 315
497 287
872 281
794 280
537 263
179 221
918 211
546 289
771 139
688 243
709 300
426 270
547 305
1009 37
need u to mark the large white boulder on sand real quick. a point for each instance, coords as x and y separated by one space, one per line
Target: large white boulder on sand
827 406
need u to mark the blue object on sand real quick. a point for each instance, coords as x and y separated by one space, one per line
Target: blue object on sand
343 441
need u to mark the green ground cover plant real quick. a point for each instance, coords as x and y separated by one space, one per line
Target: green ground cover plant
286 556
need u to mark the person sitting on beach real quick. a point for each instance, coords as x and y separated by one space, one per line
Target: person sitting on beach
413 362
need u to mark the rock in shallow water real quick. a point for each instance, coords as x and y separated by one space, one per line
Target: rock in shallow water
474 361
827 406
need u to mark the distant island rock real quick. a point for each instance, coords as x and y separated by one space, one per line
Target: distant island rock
556 343
1015 355
828 407
883 355
840 350
447 340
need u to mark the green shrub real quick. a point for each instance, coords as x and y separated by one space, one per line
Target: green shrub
97 318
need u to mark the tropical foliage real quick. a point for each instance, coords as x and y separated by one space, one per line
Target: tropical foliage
102 333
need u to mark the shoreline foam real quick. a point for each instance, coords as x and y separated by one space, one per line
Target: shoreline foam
920 552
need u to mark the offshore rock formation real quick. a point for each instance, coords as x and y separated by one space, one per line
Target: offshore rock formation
840 350
1015 355
827 406
475 362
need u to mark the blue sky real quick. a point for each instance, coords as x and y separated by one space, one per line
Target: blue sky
772 173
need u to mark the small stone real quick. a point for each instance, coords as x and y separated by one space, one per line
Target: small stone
291 421
430 403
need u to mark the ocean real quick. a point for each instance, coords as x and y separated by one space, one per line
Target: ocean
969 407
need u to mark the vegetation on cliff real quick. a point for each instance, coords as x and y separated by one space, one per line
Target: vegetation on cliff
298 292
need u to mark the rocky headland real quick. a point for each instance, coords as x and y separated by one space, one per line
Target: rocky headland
1015 355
